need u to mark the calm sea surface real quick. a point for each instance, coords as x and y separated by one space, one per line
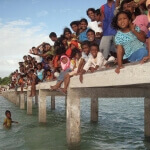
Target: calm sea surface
120 127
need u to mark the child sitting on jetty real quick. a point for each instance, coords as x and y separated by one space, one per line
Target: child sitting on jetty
95 62
129 41
8 121
65 65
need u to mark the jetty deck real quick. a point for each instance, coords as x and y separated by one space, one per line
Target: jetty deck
133 81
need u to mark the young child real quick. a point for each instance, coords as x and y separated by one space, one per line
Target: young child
129 41
65 65
8 121
82 35
77 57
95 62
49 76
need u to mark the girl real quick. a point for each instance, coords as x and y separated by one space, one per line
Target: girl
49 76
65 65
77 57
40 72
129 40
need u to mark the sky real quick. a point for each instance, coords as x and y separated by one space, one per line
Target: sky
27 23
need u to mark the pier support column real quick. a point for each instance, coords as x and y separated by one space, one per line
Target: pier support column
29 103
147 117
53 102
17 99
94 109
73 117
22 101
42 106
36 99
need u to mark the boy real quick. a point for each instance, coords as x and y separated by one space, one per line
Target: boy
75 27
95 62
8 121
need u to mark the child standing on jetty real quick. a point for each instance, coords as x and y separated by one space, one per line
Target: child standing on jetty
8 121
129 41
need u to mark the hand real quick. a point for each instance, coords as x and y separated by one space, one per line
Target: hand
133 4
132 26
145 59
117 70
81 78
92 69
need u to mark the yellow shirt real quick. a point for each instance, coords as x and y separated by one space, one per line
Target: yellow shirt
7 122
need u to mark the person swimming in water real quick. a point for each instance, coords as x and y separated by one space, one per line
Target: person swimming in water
8 121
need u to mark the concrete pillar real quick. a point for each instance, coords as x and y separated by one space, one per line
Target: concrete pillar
29 103
94 109
73 117
22 101
147 117
53 102
65 101
42 106
17 99
36 99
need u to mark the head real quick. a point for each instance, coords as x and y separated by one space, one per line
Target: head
25 58
91 35
97 15
53 36
85 47
74 44
91 13
48 72
29 57
94 48
126 7
121 20
64 59
35 50
67 33
46 46
63 40
75 26
8 114
76 53
83 24
39 66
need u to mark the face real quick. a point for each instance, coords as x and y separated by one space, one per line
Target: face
97 17
67 35
74 27
47 47
94 51
8 115
39 67
48 73
64 60
25 58
64 41
77 56
123 21
91 36
83 25
54 39
91 15
86 49
72 46
127 7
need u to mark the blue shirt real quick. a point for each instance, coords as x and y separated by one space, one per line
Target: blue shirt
83 36
108 16
129 42
40 74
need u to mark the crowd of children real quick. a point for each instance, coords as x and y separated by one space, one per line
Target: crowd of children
118 32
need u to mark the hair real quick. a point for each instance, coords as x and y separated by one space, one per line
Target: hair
98 12
90 9
31 71
137 10
85 43
84 20
74 23
7 111
90 30
114 23
48 70
94 44
67 30
52 34
61 50
74 52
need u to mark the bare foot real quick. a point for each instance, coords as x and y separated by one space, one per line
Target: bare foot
63 91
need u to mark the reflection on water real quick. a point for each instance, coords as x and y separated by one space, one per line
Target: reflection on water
120 126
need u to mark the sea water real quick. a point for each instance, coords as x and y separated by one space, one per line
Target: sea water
120 127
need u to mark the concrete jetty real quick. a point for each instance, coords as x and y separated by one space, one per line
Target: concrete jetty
133 81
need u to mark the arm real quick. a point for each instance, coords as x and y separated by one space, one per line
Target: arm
120 53
140 35
81 64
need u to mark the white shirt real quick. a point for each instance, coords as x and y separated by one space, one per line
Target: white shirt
93 62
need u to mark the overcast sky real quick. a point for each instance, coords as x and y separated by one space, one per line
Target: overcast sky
27 23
